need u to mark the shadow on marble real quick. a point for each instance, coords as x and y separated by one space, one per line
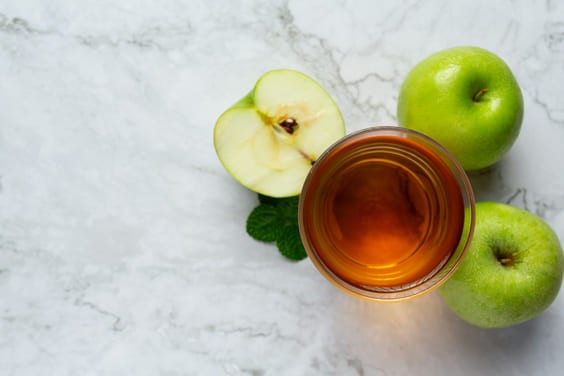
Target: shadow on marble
488 183
381 334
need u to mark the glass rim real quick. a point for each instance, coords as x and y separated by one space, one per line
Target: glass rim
445 270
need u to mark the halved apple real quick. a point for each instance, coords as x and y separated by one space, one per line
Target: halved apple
269 140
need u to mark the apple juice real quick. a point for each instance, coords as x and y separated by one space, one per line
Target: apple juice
384 211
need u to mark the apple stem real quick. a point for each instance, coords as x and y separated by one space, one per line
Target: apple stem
505 258
306 156
478 95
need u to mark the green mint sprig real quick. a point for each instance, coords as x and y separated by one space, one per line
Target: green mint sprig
275 220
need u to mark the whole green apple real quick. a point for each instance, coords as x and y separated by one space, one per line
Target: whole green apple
512 271
468 100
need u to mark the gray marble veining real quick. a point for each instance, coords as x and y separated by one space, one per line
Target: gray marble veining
122 240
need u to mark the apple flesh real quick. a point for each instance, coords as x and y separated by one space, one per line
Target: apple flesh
468 100
512 271
269 140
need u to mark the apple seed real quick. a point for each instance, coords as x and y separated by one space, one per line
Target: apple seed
288 125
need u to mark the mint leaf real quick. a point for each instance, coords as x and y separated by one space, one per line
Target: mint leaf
268 200
288 209
263 223
290 244
276 220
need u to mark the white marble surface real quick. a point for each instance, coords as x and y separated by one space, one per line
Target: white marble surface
122 241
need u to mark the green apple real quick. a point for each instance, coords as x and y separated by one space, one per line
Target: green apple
512 271
269 140
468 100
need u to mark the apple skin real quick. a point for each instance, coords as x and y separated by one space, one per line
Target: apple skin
439 98
488 294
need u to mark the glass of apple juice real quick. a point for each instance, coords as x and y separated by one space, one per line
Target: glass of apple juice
386 214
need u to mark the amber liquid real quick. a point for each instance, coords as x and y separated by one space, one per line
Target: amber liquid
388 217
